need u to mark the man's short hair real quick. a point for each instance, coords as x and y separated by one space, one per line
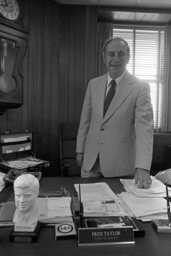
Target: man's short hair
27 180
111 39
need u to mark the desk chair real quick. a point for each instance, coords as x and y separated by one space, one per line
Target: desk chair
161 152
67 140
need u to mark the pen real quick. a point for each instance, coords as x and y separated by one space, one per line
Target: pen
79 192
108 201
80 198
168 206
81 208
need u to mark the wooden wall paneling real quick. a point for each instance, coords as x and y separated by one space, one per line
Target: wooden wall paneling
39 143
24 108
47 76
33 66
91 44
78 88
64 60
35 78
72 61
55 107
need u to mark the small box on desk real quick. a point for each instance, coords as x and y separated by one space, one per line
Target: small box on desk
16 153
162 226
65 230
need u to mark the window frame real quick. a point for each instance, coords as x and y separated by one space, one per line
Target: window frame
159 29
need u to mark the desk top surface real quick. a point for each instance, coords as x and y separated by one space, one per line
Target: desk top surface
153 244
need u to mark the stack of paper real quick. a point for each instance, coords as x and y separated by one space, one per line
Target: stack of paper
145 204
99 200
144 208
55 209
157 188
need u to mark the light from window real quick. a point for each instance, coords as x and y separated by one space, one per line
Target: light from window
146 62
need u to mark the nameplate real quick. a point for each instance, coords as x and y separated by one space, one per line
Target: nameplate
105 236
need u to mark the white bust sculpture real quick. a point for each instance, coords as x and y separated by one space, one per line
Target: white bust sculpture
26 190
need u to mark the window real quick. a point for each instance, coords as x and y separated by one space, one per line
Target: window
147 62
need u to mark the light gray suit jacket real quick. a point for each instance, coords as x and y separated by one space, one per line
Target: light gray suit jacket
123 139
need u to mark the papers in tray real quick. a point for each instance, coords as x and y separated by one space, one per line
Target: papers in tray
23 163
99 200
157 188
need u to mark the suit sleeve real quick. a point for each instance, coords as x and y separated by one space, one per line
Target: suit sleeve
84 121
144 129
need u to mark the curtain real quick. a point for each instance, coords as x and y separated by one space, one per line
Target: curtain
104 32
166 124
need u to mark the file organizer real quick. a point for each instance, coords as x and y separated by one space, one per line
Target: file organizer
16 153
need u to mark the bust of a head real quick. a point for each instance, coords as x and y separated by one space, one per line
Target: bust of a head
26 191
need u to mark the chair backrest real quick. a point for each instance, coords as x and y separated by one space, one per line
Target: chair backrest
161 152
67 137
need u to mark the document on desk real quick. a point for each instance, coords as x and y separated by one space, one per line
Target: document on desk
144 208
98 191
52 210
99 200
55 209
157 188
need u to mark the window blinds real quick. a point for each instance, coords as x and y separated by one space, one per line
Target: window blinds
147 62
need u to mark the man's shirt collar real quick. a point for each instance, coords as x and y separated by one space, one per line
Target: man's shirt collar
117 80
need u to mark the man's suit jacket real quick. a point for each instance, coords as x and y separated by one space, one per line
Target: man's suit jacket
123 139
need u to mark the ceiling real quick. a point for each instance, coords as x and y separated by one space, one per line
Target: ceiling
129 11
130 3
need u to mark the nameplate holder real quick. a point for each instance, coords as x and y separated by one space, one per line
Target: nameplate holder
105 236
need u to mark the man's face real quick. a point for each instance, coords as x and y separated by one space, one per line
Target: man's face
116 58
24 199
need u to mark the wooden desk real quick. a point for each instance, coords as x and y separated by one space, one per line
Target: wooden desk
152 244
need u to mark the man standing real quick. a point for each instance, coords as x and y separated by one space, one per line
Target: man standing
115 135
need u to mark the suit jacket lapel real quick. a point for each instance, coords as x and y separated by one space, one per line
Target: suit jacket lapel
124 89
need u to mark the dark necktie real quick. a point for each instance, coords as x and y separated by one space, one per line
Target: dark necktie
109 96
